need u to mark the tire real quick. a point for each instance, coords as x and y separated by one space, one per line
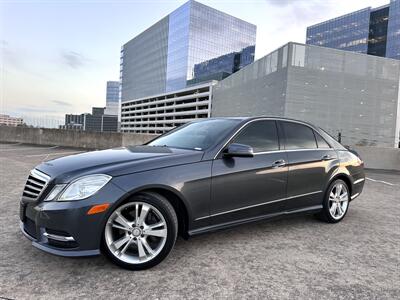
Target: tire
139 234
335 206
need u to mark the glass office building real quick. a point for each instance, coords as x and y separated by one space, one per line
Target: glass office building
374 31
112 98
112 92
163 58
221 67
393 38
348 32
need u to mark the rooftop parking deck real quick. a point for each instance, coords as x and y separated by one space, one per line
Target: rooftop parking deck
293 258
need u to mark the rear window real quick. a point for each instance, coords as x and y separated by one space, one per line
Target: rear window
320 141
298 136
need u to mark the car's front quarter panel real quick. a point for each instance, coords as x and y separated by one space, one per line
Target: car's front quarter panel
190 182
71 218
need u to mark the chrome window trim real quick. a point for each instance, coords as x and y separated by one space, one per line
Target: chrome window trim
273 151
292 150
259 204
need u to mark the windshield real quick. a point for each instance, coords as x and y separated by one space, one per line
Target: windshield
198 135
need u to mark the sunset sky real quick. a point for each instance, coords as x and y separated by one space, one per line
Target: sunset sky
56 56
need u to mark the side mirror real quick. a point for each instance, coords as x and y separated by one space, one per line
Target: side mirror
238 150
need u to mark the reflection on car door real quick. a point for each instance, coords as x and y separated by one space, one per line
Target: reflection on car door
245 187
309 164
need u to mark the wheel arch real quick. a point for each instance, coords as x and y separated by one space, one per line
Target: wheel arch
174 198
341 176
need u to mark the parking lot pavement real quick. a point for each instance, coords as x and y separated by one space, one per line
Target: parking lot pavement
294 258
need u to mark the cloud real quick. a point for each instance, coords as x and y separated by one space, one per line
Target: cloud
279 2
74 59
62 103
37 110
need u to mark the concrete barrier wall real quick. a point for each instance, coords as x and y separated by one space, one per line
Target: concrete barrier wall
380 158
374 158
70 138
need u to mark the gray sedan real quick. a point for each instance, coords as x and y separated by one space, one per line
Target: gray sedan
131 203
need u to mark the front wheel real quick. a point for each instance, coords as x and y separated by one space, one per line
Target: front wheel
139 234
336 202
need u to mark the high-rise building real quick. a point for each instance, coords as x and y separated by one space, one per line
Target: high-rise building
112 98
163 58
96 121
221 67
374 31
393 37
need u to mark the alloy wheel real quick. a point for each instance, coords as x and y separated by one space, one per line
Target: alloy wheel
338 200
136 232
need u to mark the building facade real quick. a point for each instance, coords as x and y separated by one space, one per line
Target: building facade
393 39
161 113
96 121
163 58
112 98
353 94
374 31
10 121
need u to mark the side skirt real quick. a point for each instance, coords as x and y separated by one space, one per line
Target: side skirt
310 209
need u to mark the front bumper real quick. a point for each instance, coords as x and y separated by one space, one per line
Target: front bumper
64 228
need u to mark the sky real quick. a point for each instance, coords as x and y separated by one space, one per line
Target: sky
56 55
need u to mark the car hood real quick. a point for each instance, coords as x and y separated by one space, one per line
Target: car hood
116 162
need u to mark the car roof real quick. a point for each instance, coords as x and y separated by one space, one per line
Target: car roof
246 119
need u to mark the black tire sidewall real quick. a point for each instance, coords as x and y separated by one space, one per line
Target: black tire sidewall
326 213
169 215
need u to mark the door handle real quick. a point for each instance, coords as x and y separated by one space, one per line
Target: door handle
279 163
327 157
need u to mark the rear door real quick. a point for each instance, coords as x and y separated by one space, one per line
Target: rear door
310 161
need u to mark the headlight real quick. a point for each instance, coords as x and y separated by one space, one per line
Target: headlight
54 192
84 187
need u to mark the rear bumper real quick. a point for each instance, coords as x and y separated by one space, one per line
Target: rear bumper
357 187
64 228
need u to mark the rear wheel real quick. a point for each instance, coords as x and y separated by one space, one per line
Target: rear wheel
139 234
336 202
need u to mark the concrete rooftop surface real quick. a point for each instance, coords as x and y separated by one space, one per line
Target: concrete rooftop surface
293 258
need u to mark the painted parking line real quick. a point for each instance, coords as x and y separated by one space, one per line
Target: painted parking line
29 148
381 181
55 153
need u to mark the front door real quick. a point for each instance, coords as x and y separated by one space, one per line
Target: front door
245 187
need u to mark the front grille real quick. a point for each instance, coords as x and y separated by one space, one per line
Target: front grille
36 183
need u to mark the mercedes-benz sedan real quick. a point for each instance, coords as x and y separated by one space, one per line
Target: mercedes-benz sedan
131 203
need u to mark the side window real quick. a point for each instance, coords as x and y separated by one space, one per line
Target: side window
320 141
298 136
261 135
